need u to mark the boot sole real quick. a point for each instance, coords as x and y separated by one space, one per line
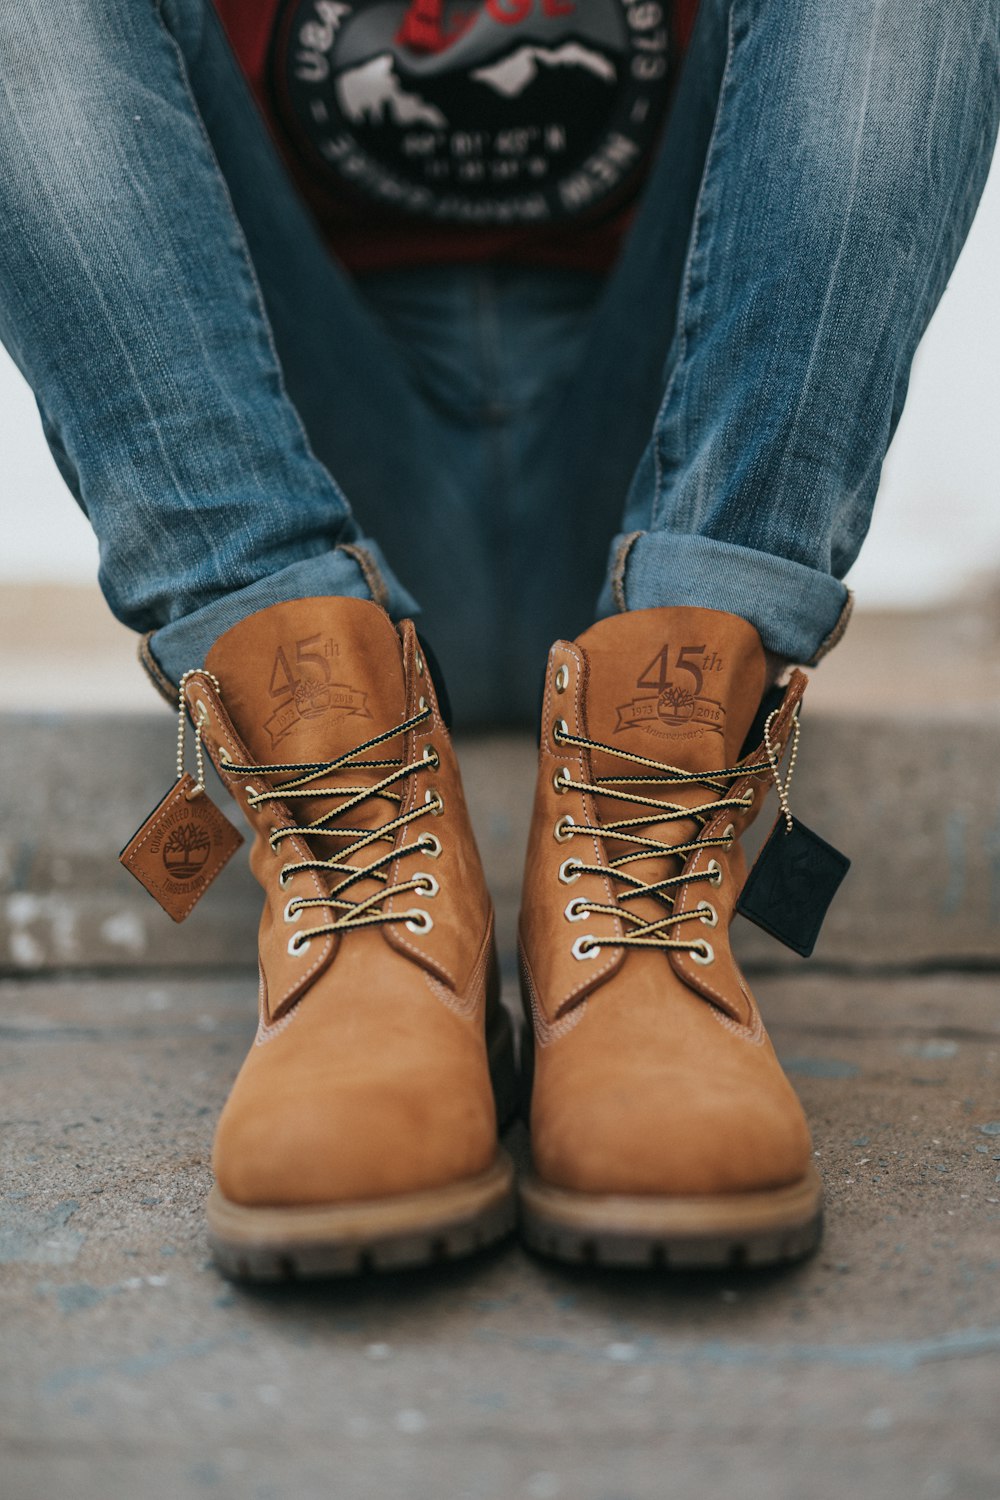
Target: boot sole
737 1229
379 1234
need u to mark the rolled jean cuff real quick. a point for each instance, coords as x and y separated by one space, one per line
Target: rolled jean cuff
799 613
356 570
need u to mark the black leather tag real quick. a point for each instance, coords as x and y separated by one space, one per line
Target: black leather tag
794 879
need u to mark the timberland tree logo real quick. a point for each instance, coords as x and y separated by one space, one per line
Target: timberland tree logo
186 850
183 836
302 685
676 701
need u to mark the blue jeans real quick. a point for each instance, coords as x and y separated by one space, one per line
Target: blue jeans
705 425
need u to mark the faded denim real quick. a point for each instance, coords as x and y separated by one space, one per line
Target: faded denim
717 409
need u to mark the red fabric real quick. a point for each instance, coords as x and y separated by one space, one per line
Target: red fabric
365 237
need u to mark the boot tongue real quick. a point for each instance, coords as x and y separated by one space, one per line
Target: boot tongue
679 686
309 680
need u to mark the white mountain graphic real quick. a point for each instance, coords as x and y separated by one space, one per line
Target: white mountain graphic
520 68
372 91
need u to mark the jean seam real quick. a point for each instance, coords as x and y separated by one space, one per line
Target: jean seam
252 291
684 308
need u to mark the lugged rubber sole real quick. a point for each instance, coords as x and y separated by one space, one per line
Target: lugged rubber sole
738 1229
344 1239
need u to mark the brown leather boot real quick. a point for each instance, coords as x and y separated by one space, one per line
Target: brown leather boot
362 1128
663 1129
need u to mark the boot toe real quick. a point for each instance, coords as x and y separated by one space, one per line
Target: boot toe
342 1142
672 1137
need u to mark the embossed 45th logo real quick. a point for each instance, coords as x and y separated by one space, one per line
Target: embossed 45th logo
677 677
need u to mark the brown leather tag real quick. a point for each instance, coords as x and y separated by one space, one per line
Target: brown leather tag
180 849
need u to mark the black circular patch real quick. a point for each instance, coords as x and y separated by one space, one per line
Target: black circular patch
532 110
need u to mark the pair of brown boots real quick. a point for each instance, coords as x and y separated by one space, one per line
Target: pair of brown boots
362 1130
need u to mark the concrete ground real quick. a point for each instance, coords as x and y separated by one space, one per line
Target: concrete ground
129 1368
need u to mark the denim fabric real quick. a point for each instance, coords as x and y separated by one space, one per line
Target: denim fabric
203 367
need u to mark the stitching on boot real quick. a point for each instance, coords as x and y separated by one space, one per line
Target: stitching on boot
475 987
546 1031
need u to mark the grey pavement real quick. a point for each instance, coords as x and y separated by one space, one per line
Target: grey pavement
128 1367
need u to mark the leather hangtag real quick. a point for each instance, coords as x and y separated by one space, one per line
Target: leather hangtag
181 847
794 879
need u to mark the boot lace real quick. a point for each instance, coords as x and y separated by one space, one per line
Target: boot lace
633 790
307 779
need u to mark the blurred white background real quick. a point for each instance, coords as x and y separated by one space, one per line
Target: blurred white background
937 523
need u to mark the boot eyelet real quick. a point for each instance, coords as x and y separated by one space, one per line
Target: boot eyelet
569 871
430 844
225 757
428 885
560 730
714 872
704 953
286 874
419 921
577 911
422 704
585 947
560 779
561 681
201 712
435 802
292 916
561 831
418 662
298 945
431 757
729 832
711 917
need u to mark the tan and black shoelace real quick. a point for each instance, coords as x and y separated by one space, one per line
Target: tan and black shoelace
634 791
305 779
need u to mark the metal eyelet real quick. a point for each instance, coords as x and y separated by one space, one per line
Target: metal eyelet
704 953
586 947
298 945
560 778
729 832
430 844
419 921
431 757
202 714
569 871
559 731
711 917
286 874
271 835
225 757
292 916
560 832
714 872
561 680
418 662
428 885
577 911
422 703
435 801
